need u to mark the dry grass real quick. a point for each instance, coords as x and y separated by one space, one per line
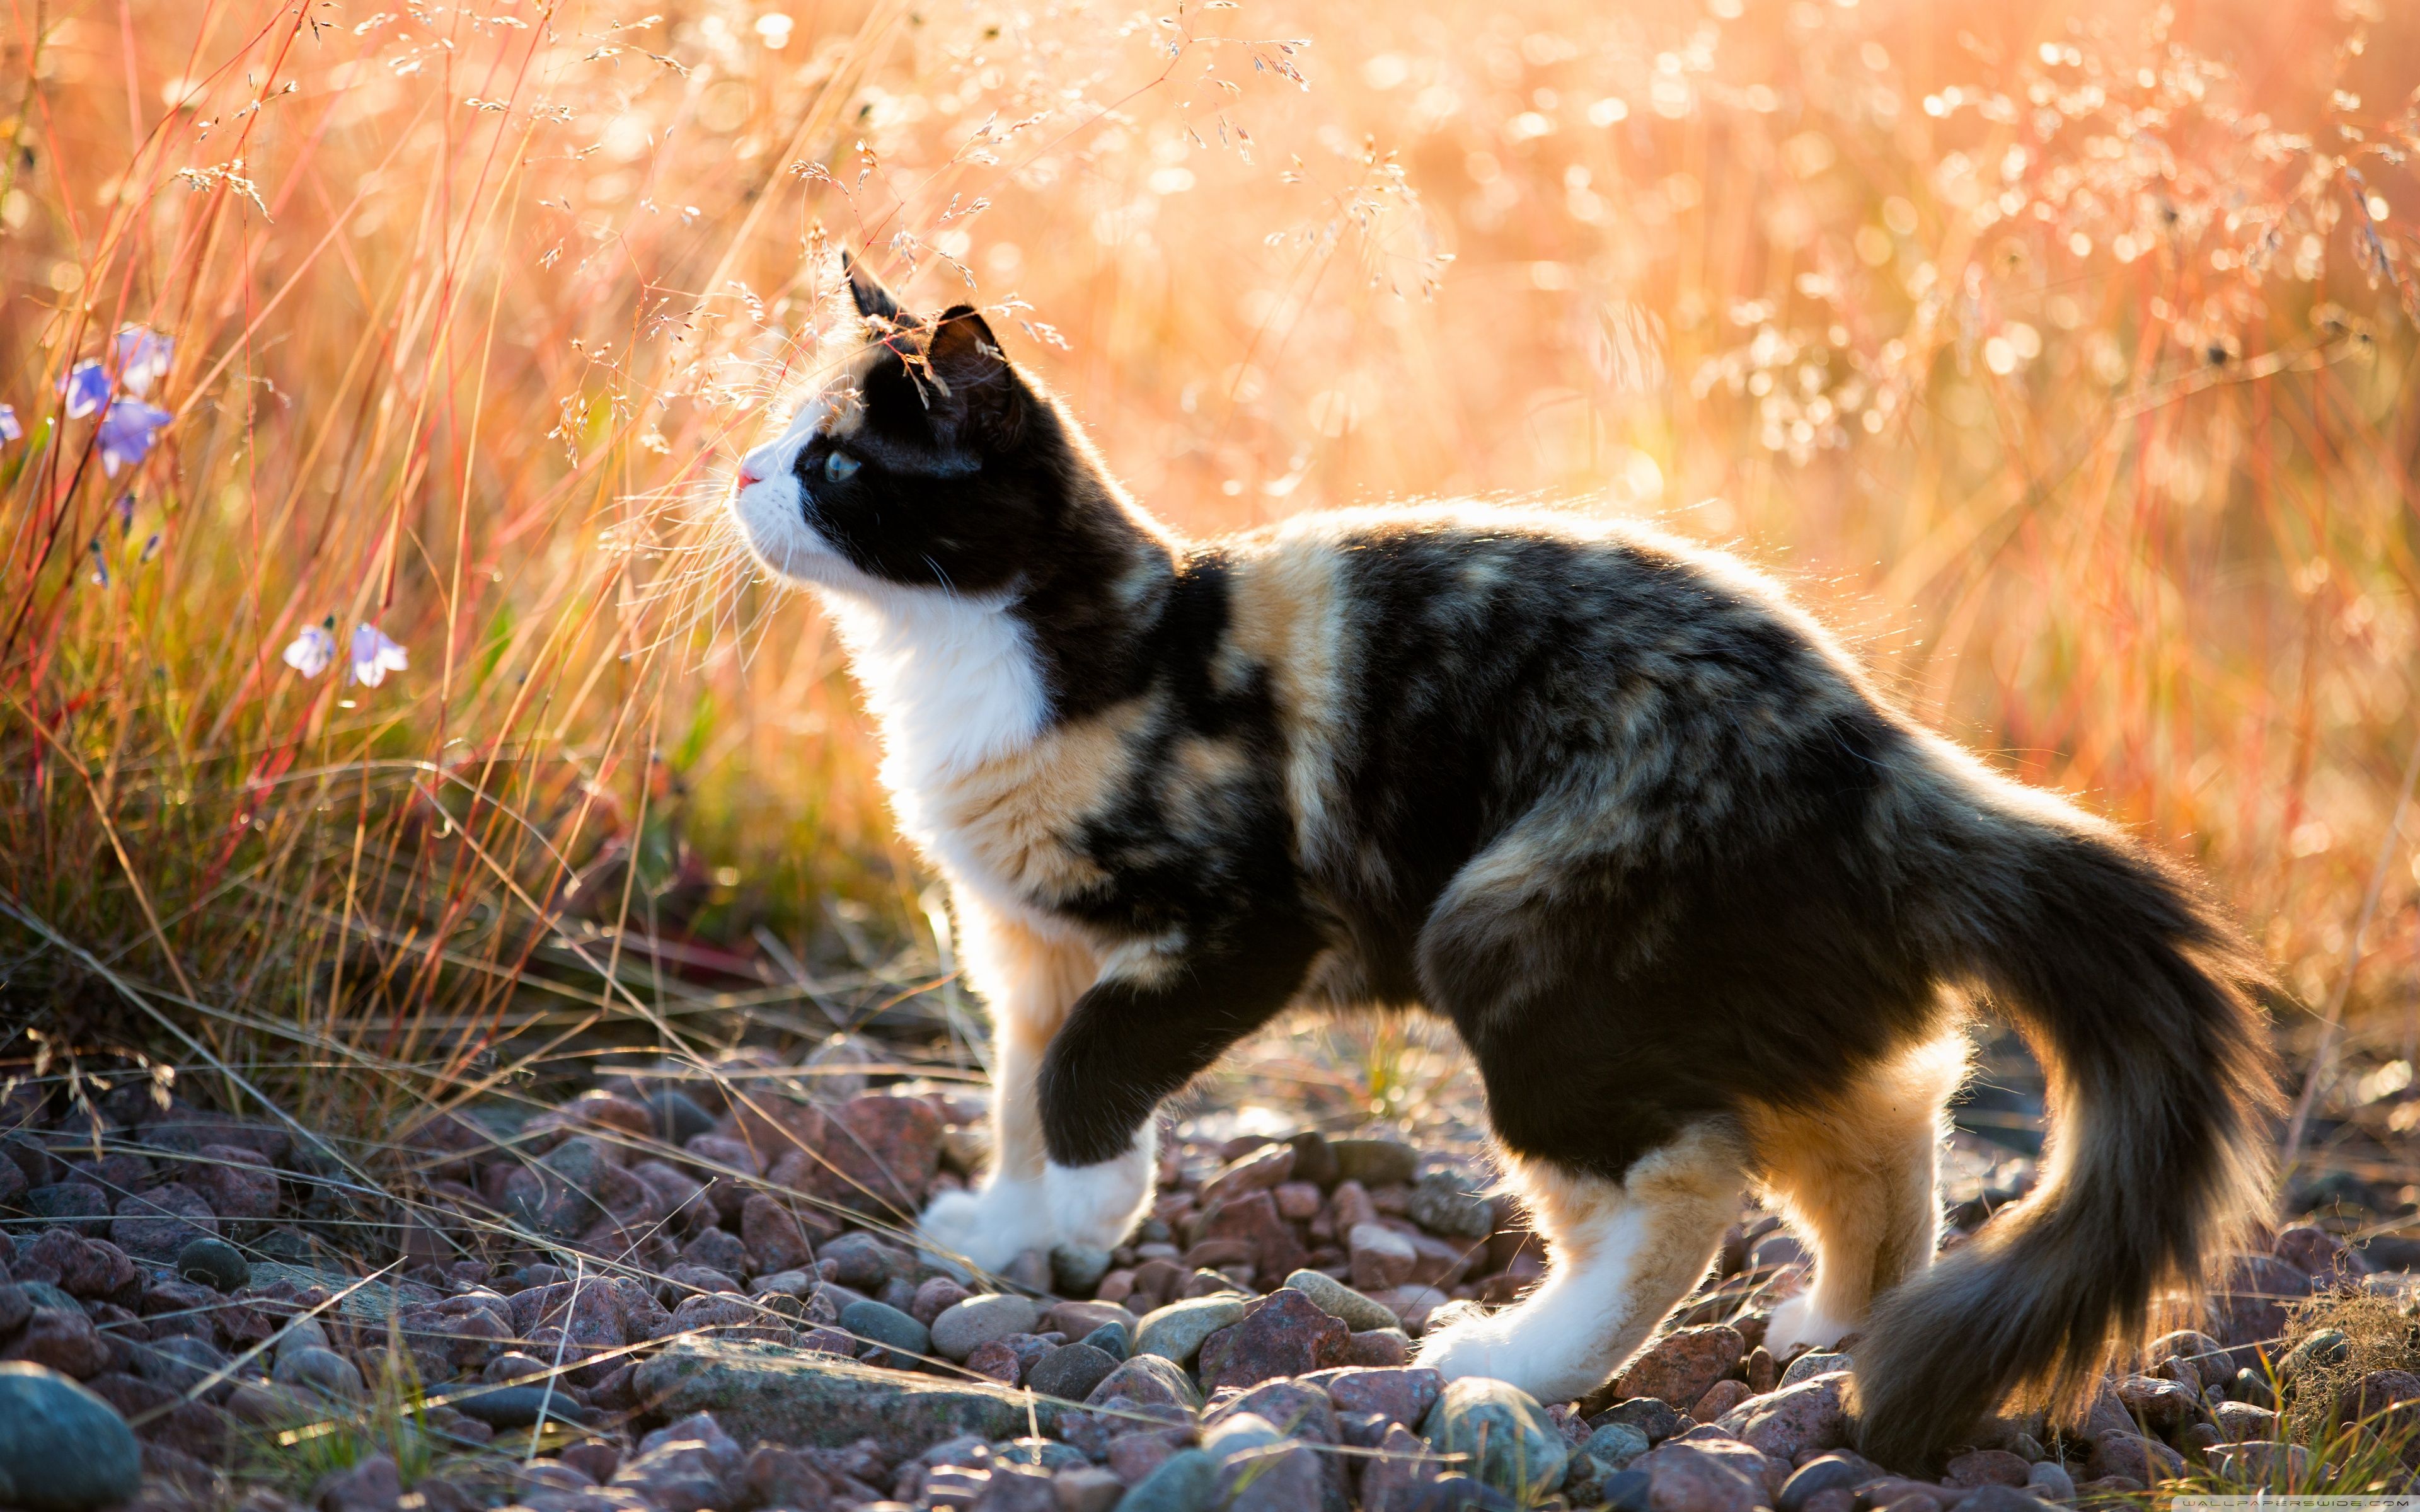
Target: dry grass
2059 352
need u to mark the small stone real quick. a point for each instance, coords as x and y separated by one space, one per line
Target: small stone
996 1361
1402 1465
2238 1421
1176 1331
1076 1269
1703 1476
878 1323
1458 1494
1013 1489
2262 1462
511 1407
1514 1446
1077 1319
1825 1471
1111 1340
1257 1171
1373 1162
677 1117
371 1485
1251 1220
1815 1363
236 1181
1999 1497
1402 1395
966 1326
1381 1259
1187 1481
61 1338
1028 1270
2049 1480
1148 1381
1285 1333
79 1203
1719 1399
2134 1456
1617 1444
1988 1467
155 1225
1070 1372
858 1261
2164 1405
772 1234
1812 1415
321 1370
936 1297
1378 1346
62 1447
1443 1202
1086 1488
880 1156
1682 1365
214 1263
1338 1300
689 1465
1657 1419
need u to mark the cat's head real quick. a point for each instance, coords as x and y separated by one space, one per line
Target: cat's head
922 460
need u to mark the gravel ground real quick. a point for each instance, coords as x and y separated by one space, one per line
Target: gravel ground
679 1290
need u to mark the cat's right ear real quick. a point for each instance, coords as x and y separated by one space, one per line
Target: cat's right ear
874 301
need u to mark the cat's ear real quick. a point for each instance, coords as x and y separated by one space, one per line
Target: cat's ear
966 356
874 301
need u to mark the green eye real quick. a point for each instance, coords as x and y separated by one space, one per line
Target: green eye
840 467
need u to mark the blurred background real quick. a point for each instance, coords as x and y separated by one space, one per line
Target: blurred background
385 716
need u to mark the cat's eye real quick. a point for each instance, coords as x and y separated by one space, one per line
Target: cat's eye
840 467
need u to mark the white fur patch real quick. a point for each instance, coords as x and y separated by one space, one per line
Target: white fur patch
1095 1206
1559 1343
990 1227
1796 1322
951 680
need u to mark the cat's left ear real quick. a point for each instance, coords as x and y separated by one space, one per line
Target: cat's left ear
874 301
982 386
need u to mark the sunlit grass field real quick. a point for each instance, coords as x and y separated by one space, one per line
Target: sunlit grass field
380 690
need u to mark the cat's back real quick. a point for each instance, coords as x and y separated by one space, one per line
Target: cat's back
1437 670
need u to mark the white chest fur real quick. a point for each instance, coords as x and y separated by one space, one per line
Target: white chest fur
953 684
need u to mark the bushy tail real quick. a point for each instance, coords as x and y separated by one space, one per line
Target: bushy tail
2138 998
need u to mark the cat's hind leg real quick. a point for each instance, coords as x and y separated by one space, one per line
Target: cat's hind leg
1619 1255
1856 1176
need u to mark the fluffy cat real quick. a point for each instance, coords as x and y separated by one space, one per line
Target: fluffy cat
1706 911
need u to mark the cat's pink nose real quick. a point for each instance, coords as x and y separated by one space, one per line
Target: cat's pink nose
747 475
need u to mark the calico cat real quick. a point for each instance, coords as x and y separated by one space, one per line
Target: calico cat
1707 912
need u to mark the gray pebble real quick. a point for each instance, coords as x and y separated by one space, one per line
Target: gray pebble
62 1448
1186 1481
1337 1300
215 1263
1071 1371
879 1323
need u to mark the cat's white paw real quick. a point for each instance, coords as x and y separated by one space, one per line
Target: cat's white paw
1524 1347
1797 1322
989 1228
1095 1207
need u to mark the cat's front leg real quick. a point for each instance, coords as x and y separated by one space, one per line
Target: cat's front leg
1148 1027
1029 981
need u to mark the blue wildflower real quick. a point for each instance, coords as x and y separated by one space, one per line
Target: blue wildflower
312 650
99 561
127 432
9 430
87 388
125 515
143 356
150 547
375 656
